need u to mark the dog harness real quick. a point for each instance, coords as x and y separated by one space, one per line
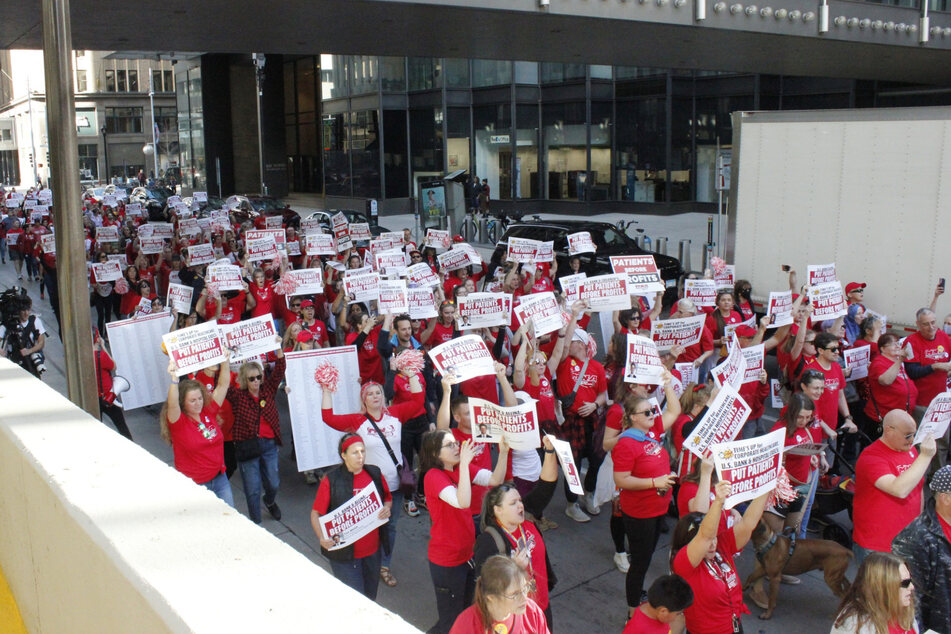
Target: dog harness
765 548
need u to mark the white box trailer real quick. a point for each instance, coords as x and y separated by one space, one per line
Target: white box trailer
867 189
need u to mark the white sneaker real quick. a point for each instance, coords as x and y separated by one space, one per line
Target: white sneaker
590 506
574 512
622 562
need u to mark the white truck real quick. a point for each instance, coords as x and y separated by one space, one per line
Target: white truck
869 190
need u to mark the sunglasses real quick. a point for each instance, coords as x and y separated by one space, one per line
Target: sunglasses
295 305
832 348
256 377
906 583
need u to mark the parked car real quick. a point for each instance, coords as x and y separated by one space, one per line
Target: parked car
608 238
148 195
249 206
352 216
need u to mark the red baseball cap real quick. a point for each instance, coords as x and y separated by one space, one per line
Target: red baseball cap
304 336
307 303
854 286
745 331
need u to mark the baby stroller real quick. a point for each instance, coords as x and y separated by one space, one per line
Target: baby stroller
835 494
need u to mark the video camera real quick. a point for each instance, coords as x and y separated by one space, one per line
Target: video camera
12 302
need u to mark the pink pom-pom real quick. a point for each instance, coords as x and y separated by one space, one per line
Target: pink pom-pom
592 347
410 361
327 375
122 286
287 284
212 288
718 265
784 491
276 262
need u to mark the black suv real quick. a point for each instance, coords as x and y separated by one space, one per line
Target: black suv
609 240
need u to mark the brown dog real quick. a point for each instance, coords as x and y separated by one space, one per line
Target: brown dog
773 558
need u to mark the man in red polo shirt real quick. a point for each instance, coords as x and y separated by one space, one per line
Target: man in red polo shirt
888 483
928 363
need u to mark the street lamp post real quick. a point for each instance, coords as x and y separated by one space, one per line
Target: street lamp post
105 152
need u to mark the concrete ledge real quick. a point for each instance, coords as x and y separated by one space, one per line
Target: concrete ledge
97 535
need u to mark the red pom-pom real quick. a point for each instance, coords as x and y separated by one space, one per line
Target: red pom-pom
287 284
327 375
122 286
592 347
784 491
718 265
410 361
212 288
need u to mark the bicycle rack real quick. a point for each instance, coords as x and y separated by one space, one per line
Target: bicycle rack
661 246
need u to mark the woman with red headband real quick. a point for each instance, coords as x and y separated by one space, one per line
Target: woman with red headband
381 427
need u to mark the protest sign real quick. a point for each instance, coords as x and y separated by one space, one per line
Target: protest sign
779 309
821 274
776 394
225 277
729 329
308 281
200 197
280 238
144 307
108 271
482 310
107 234
108 200
341 231
293 247
754 356
688 373
733 370
363 270
545 252
36 217
362 288
189 226
642 274
273 222
135 349
642 363
806 449
828 301
381 244
543 310
491 423
199 254
151 246
725 277
422 304
393 297
360 231
703 293
569 286
390 262
858 359
163 230
13 238
456 258
251 337
438 239
936 418
261 249
180 297
466 357
750 466
311 225
353 519
48 243
315 443
722 422
120 258
173 200
581 242
320 244
133 209
567 460
195 347
521 250
605 293
422 275
684 331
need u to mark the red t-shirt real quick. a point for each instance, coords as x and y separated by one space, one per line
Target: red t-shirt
717 592
878 517
692 353
687 492
827 407
452 534
264 296
371 365
531 539
543 285
484 387
796 466
901 394
402 394
544 394
684 458
640 623
925 352
532 622
440 334
593 383
369 543
199 454
643 460
755 393
711 322
230 312
319 330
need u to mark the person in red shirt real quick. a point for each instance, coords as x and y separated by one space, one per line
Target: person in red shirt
363 334
457 278
703 349
107 405
14 239
357 564
441 329
309 321
228 308
889 386
187 422
263 291
855 292
795 419
888 484
663 612
502 602
832 403
928 363
723 315
703 556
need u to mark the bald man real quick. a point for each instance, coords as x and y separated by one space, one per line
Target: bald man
888 484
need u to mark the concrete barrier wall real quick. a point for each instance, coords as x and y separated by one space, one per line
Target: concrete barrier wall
97 535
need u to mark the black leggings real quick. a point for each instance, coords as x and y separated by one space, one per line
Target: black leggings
642 535
114 412
103 308
617 533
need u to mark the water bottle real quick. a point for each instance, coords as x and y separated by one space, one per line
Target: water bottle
647 242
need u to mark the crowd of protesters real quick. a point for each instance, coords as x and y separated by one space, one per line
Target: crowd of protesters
485 503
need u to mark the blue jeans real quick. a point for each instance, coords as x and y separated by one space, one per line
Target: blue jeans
860 553
363 574
220 486
391 527
257 472
807 509
454 589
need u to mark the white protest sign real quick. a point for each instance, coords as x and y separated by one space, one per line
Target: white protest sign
725 277
642 363
750 466
280 237
189 226
456 258
393 297
180 297
163 230
683 331
262 249
733 370
569 286
936 418
362 287
605 293
643 277
703 293
360 231
776 394
273 222
422 275
226 277
107 233
422 304
138 356
293 248
491 423
120 258
196 347
466 357
521 250
315 443
482 310
821 274
754 356
581 242
151 246
320 244
309 281
199 254
310 225
688 373
858 359
108 271
543 310
390 262
724 419
438 239
48 243
251 337
567 460
545 252
729 329
779 309
200 197
353 519
144 307
828 301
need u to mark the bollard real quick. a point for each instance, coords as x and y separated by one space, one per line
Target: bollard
661 246
707 254
683 254
483 229
648 244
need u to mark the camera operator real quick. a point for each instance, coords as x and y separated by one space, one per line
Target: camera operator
23 336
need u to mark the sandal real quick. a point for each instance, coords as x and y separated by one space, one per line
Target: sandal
388 579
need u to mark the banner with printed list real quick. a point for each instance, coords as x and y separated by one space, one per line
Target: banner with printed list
135 349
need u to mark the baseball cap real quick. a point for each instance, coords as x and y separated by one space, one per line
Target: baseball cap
307 303
580 335
854 286
941 481
745 331
304 336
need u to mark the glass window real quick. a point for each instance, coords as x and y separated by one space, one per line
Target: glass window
123 120
364 135
565 146
333 76
336 154
364 77
599 178
423 73
290 92
157 80
168 84
110 80
526 73
133 81
393 73
121 85
426 140
81 81
167 119
306 88
559 73
636 72
490 72
89 160
600 72
527 183
457 72
458 144
395 162
641 149
492 125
